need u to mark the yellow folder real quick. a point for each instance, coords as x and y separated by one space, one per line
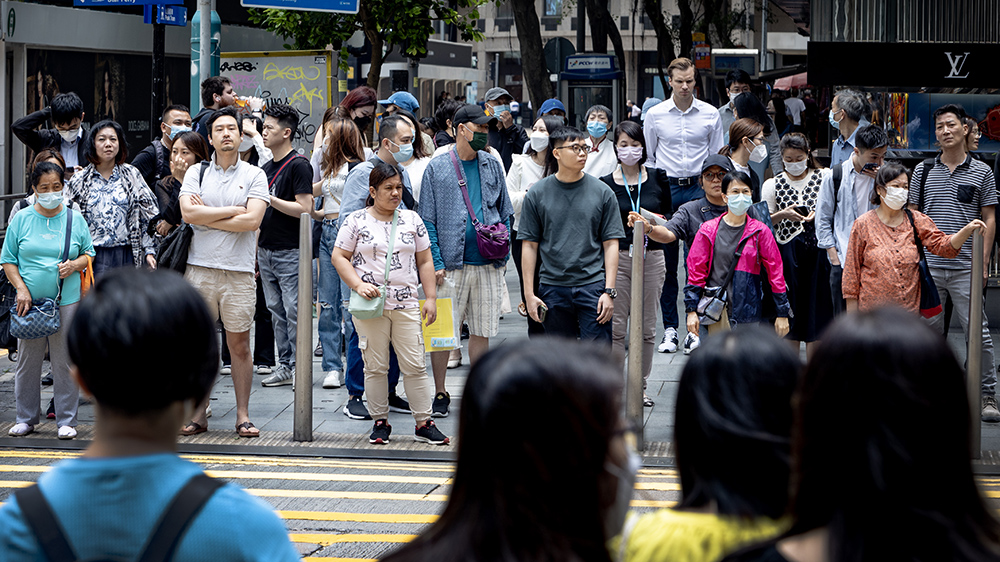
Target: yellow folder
441 336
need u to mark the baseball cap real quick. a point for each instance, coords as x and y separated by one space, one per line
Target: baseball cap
550 104
647 105
472 113
717 160
496 93
404 100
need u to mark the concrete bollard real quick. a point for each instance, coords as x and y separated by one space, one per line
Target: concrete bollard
974 360
633 386
303 413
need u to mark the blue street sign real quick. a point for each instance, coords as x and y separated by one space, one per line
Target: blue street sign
111 3
341 6
172 15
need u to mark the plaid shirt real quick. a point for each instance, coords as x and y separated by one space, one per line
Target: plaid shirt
141 205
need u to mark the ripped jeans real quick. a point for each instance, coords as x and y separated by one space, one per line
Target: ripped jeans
330 311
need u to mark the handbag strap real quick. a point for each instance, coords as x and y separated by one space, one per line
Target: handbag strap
392 242
275 178
465 191
736 260
916 235
66 244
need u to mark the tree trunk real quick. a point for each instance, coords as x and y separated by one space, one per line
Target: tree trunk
687 23
533 68
664 43
371 31
602 25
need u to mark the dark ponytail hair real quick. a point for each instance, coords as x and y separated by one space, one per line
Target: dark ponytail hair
43 168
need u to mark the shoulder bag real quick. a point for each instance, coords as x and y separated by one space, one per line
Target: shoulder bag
714 299
366 309
42 318
173 250
930 301
493 240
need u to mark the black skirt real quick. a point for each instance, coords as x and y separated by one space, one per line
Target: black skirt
807 275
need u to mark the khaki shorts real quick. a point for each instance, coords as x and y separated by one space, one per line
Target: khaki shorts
475 297
230 295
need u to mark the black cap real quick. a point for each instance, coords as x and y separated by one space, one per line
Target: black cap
472 113
717 160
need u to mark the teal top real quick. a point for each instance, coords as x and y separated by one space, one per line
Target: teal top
472 255
34 243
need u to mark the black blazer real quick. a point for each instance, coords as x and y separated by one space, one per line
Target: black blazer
26 130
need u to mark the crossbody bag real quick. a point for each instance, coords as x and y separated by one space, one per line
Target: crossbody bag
492 240
42 319
930 301
714 299
366 309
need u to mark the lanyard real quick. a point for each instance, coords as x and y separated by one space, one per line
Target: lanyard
628 190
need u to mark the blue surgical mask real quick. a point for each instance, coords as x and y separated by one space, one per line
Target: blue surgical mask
738 204
404 154
833 122
50 200
597 129
176 130
498 109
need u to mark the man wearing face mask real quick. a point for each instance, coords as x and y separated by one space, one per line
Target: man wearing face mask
475 281
505 135
154 160
849 111
737 82
66 138
602 159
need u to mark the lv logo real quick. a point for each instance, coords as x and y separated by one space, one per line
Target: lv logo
957 62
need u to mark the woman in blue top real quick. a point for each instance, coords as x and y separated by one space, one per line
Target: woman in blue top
31 258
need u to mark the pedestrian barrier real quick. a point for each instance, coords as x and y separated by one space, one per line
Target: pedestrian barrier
303 414
633 387
974 358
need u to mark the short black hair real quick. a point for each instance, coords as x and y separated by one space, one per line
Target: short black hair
749 107
174 107
91 149
562 134
952 108
634 132
211 86
737 75
736 175
387 129
43 168
870 137
66 107
130 317
224 112
286 116
445 112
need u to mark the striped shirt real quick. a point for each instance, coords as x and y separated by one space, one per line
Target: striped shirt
952 200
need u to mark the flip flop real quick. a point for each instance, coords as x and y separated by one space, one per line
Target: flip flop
193 428
647 401
522 310
243 430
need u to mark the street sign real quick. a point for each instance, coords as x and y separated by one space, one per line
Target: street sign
115 3
166 15
340 6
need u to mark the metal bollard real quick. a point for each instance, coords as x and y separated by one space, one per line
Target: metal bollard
303 414
974 359
633 386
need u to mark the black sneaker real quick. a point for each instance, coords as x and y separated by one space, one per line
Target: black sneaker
397 404
429 433
380 433
355 409
50 412
440 407
47 379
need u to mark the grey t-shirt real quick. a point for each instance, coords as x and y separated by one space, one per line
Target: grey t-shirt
724 255
221 249
570 222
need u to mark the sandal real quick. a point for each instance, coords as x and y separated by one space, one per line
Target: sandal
244 430
193 428
522 310
647 401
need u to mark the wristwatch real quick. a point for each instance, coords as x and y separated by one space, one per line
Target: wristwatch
611 291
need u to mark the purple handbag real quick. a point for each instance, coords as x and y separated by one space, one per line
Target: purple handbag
493 240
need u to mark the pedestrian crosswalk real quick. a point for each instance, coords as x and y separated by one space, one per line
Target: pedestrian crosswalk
335 509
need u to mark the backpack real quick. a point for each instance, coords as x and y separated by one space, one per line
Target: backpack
159 546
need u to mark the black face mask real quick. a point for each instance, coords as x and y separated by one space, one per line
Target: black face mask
363 122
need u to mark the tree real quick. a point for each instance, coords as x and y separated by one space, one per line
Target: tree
602 26
529 36
387 24
664 40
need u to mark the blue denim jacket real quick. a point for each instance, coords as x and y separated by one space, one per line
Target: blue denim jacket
443 209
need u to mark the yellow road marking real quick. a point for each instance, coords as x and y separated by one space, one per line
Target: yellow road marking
15 484
659 486
324 477
359 517
339 495
23 468
326 539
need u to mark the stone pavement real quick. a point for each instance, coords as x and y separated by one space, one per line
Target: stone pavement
271 410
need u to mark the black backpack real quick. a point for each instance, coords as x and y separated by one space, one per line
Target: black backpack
161 543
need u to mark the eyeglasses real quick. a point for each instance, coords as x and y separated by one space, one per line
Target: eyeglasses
714 175
577 148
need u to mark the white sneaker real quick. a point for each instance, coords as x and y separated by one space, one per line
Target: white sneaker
226 370
669 343
691 343
66 432
332 379
20 430
208 411
263 370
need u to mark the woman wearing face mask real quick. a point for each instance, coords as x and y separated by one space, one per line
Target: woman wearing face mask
115 201
735 395
524 172
32 259
746 145
252 149
791 199
637 186
880 267
735 247
602 159
423 150
188 150
536 498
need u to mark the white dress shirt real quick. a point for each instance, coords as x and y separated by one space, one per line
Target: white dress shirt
678 142
604 160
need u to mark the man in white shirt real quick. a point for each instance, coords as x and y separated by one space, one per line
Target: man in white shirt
794 107
737 82
680 133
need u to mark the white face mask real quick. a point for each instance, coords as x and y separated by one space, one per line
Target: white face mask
539 141
758 154
614 519
246 144
796 168
70 135
895 197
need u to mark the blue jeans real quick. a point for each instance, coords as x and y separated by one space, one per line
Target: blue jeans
279 273
328 291
573 311
354 374
671 254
